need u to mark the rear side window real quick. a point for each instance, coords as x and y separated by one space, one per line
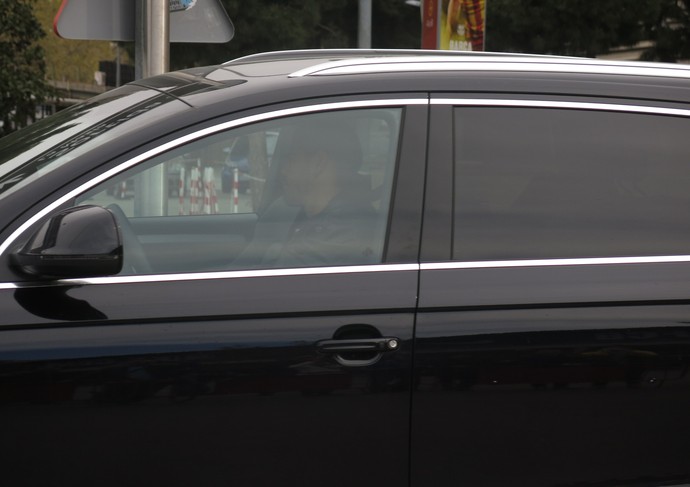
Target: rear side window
541 183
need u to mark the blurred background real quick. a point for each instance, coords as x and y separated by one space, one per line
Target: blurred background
41 73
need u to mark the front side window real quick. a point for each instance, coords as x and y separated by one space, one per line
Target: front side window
541 183
301 191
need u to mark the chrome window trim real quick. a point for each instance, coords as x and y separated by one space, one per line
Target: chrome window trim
493 64
498 264
610 107
197 135
577 105
361 269
206 276
348 269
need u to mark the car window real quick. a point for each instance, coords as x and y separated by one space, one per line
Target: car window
538 183
307 190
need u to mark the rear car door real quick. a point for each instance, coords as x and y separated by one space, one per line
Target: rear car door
212 359
552 342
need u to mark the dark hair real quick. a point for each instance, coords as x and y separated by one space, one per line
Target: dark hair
338 141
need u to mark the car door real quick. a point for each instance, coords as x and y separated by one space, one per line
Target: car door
552 343
208 360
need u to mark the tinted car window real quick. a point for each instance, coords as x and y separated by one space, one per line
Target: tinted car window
309 190
534 183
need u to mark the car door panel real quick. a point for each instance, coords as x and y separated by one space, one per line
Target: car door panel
249 377
206 380
587 394
584 390
551 371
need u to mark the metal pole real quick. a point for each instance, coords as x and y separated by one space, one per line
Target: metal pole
118 68
151 38
140 22
159 48
152 57
364 32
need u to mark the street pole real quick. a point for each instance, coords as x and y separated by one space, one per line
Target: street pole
152 57
118 66
364 31
151 38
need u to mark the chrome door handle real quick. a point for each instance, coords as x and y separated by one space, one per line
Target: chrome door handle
384 344
358 352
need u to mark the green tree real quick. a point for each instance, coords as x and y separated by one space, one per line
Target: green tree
68 59
670 31
271 25
395 25
567 27
22 65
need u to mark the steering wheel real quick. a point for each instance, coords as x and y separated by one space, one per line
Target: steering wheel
133 252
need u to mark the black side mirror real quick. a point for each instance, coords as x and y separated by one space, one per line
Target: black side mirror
83 241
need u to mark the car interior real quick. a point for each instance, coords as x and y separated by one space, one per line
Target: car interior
192 226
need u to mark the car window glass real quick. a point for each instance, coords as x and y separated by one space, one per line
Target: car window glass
309 190
535 183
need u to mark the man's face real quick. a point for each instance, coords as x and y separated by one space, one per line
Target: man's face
298 175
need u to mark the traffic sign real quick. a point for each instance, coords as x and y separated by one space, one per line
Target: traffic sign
114 20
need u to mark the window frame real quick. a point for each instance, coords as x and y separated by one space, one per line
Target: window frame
416 102
440 205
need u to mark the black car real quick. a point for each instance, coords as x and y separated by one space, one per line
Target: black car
446 269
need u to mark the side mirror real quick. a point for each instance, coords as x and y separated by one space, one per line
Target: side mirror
83 241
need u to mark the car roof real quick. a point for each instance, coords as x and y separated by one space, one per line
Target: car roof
367 61
267 74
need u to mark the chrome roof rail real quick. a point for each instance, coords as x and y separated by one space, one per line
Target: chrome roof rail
343 54
482 62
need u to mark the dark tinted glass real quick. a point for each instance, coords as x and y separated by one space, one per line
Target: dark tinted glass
554 183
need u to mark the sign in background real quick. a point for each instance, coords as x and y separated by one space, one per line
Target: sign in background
456 25
113 20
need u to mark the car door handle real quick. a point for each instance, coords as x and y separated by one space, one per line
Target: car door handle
383 344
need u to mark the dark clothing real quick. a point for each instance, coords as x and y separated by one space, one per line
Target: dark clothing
342 234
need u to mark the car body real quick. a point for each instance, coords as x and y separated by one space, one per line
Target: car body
519 314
